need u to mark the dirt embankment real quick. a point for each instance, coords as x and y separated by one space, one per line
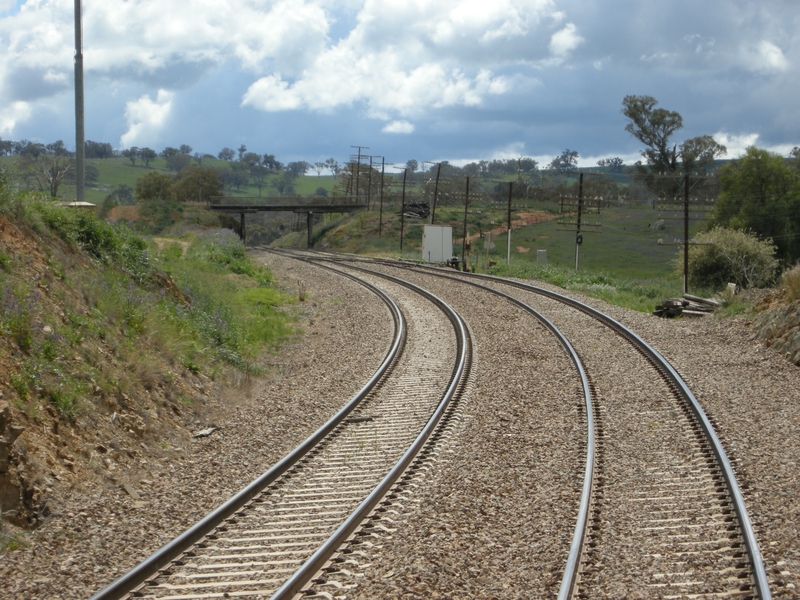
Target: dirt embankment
778 325
136 402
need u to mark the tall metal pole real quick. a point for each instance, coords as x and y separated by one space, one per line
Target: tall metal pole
369 184
435 192
358 166
464 245
380 213
580 209
510 186
403 209
686 234
79 129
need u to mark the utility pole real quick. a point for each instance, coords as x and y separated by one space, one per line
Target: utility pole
403 209
464 245
436 192
380 214
80 148
358 165
578 236
369 184
686 233
510 186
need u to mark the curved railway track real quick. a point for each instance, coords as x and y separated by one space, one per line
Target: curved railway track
276 535
661 514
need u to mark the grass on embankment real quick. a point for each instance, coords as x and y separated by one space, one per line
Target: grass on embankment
88 308
623 264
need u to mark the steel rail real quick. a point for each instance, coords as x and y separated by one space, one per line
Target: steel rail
748 534
172 550
306 572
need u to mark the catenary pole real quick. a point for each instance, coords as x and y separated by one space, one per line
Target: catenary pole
80 148
510 188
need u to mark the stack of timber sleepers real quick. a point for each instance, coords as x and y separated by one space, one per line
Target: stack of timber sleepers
690 306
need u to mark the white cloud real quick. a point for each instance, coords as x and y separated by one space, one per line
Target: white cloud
736 144
398 127
404 58
12 114
565 41
145 119
165 42
765 57
656 56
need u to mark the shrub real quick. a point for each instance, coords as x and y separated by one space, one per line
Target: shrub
730 255
791 281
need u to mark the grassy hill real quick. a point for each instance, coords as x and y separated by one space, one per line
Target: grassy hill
622 263
111 342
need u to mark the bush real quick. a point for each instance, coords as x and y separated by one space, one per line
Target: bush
730 255
791 281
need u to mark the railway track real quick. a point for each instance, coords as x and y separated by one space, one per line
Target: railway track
661 514
277 535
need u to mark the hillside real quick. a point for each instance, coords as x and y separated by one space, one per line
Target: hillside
115 347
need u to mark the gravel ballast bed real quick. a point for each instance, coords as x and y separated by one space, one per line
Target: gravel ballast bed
98 532
504 493
753 395
450 542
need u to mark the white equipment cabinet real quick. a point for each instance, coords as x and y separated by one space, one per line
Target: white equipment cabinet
437 244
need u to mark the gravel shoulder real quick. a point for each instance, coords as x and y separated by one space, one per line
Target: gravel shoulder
753 395
750 391
97 532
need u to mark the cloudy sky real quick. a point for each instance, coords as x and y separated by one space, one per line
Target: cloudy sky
432 80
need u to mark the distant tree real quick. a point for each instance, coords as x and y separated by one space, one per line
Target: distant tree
698 152
761 193
169 151
226 154
124 194
236 176
299 167
154 186
98 150
131 154
333 166
27 148
412 165
271 162
285 183
178 162
566 162
654 127
250 159
57 148
147 154
258 174
197 184
90 175
614 164
321 191
794 158
185 149
45 171
319 167
6 147
242 150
